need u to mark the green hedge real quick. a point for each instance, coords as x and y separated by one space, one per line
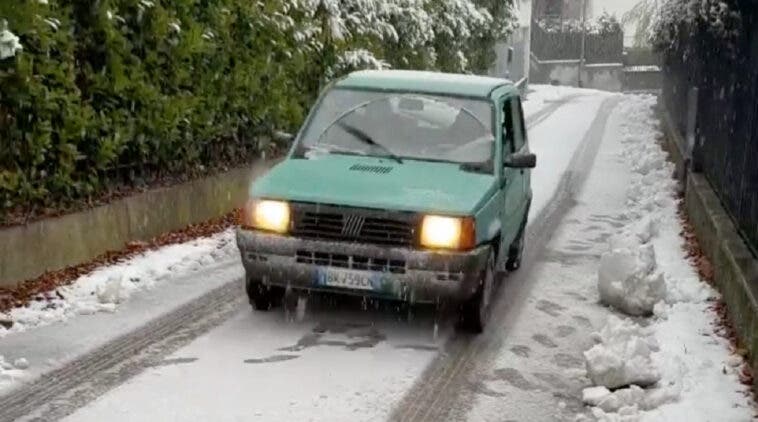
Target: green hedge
113 92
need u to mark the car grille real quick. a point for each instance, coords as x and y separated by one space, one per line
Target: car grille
353 262
354 225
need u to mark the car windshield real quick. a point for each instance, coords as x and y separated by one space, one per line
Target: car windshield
403 125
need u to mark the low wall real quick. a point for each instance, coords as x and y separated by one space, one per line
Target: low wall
54 243
606 76
735 268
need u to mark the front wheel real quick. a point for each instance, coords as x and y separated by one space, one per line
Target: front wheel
261 296
476 311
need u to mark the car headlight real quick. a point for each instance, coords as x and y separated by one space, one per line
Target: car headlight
448 232
268 215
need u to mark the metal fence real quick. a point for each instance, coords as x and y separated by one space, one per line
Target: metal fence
567 45
725 142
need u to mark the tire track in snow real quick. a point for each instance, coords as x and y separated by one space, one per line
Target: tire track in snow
447 383
542 114
62 391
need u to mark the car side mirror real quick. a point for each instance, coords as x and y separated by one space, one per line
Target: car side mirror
521 160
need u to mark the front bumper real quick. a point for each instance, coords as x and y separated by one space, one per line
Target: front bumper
408 274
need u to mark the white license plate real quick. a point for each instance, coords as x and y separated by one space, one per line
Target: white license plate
348 279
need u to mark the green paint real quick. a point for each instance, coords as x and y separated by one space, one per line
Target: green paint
498 201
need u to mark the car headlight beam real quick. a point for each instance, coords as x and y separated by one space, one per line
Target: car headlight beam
440 232
270 215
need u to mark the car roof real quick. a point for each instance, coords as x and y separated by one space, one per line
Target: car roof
424 81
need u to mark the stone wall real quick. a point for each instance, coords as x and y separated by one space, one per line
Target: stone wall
55 243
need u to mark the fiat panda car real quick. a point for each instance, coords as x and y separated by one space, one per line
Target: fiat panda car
404 185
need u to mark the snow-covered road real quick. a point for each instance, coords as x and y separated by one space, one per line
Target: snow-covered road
210 358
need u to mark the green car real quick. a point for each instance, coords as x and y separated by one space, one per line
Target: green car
404 185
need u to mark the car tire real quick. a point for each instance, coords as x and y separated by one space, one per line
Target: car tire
516 250
261 296
476 311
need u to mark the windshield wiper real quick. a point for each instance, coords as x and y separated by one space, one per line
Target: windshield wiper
366 138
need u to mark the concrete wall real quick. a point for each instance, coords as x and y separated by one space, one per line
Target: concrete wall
735 268
50 244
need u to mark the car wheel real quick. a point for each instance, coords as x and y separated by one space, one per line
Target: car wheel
262 297
516 250
476 311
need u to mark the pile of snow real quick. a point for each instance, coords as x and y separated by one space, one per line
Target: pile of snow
105 288
629 280
622 355
672 364
10 371
627 401
628 277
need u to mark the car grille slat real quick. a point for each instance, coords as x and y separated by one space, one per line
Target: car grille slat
352 262
359 225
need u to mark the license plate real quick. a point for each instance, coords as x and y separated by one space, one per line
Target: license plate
349 279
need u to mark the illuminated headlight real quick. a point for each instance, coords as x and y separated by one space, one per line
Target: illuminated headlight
447 232
268 215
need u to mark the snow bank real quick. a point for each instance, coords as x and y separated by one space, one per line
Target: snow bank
675 367
622 355
107 287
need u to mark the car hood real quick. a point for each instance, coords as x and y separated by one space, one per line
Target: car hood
379 183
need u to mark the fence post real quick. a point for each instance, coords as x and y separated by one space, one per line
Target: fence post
691 152
579 81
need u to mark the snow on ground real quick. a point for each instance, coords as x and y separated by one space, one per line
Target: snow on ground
102 291
540 96
692 373
105 288
555 141
541 371
345 365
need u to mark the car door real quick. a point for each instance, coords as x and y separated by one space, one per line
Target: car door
522 176
511 182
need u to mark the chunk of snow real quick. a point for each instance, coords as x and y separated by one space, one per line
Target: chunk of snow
632 396
625 414
623 355
21 363
628 280
11 371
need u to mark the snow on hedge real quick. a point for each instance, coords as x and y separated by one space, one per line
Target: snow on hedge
9 42
716 17
360 59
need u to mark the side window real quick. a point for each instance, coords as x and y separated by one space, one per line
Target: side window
508 127
519 136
